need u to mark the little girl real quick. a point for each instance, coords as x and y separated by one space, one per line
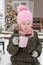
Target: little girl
24 45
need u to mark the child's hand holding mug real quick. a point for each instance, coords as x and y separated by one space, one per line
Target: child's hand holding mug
15 40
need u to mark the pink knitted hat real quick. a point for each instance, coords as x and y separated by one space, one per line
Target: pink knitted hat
24 14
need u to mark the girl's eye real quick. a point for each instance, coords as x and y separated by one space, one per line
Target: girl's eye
23 23
28 23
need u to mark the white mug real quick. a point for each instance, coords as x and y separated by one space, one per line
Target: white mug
23 41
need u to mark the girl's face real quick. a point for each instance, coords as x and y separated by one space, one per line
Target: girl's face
25 26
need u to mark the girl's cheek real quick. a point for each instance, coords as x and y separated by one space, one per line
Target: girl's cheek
30 26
